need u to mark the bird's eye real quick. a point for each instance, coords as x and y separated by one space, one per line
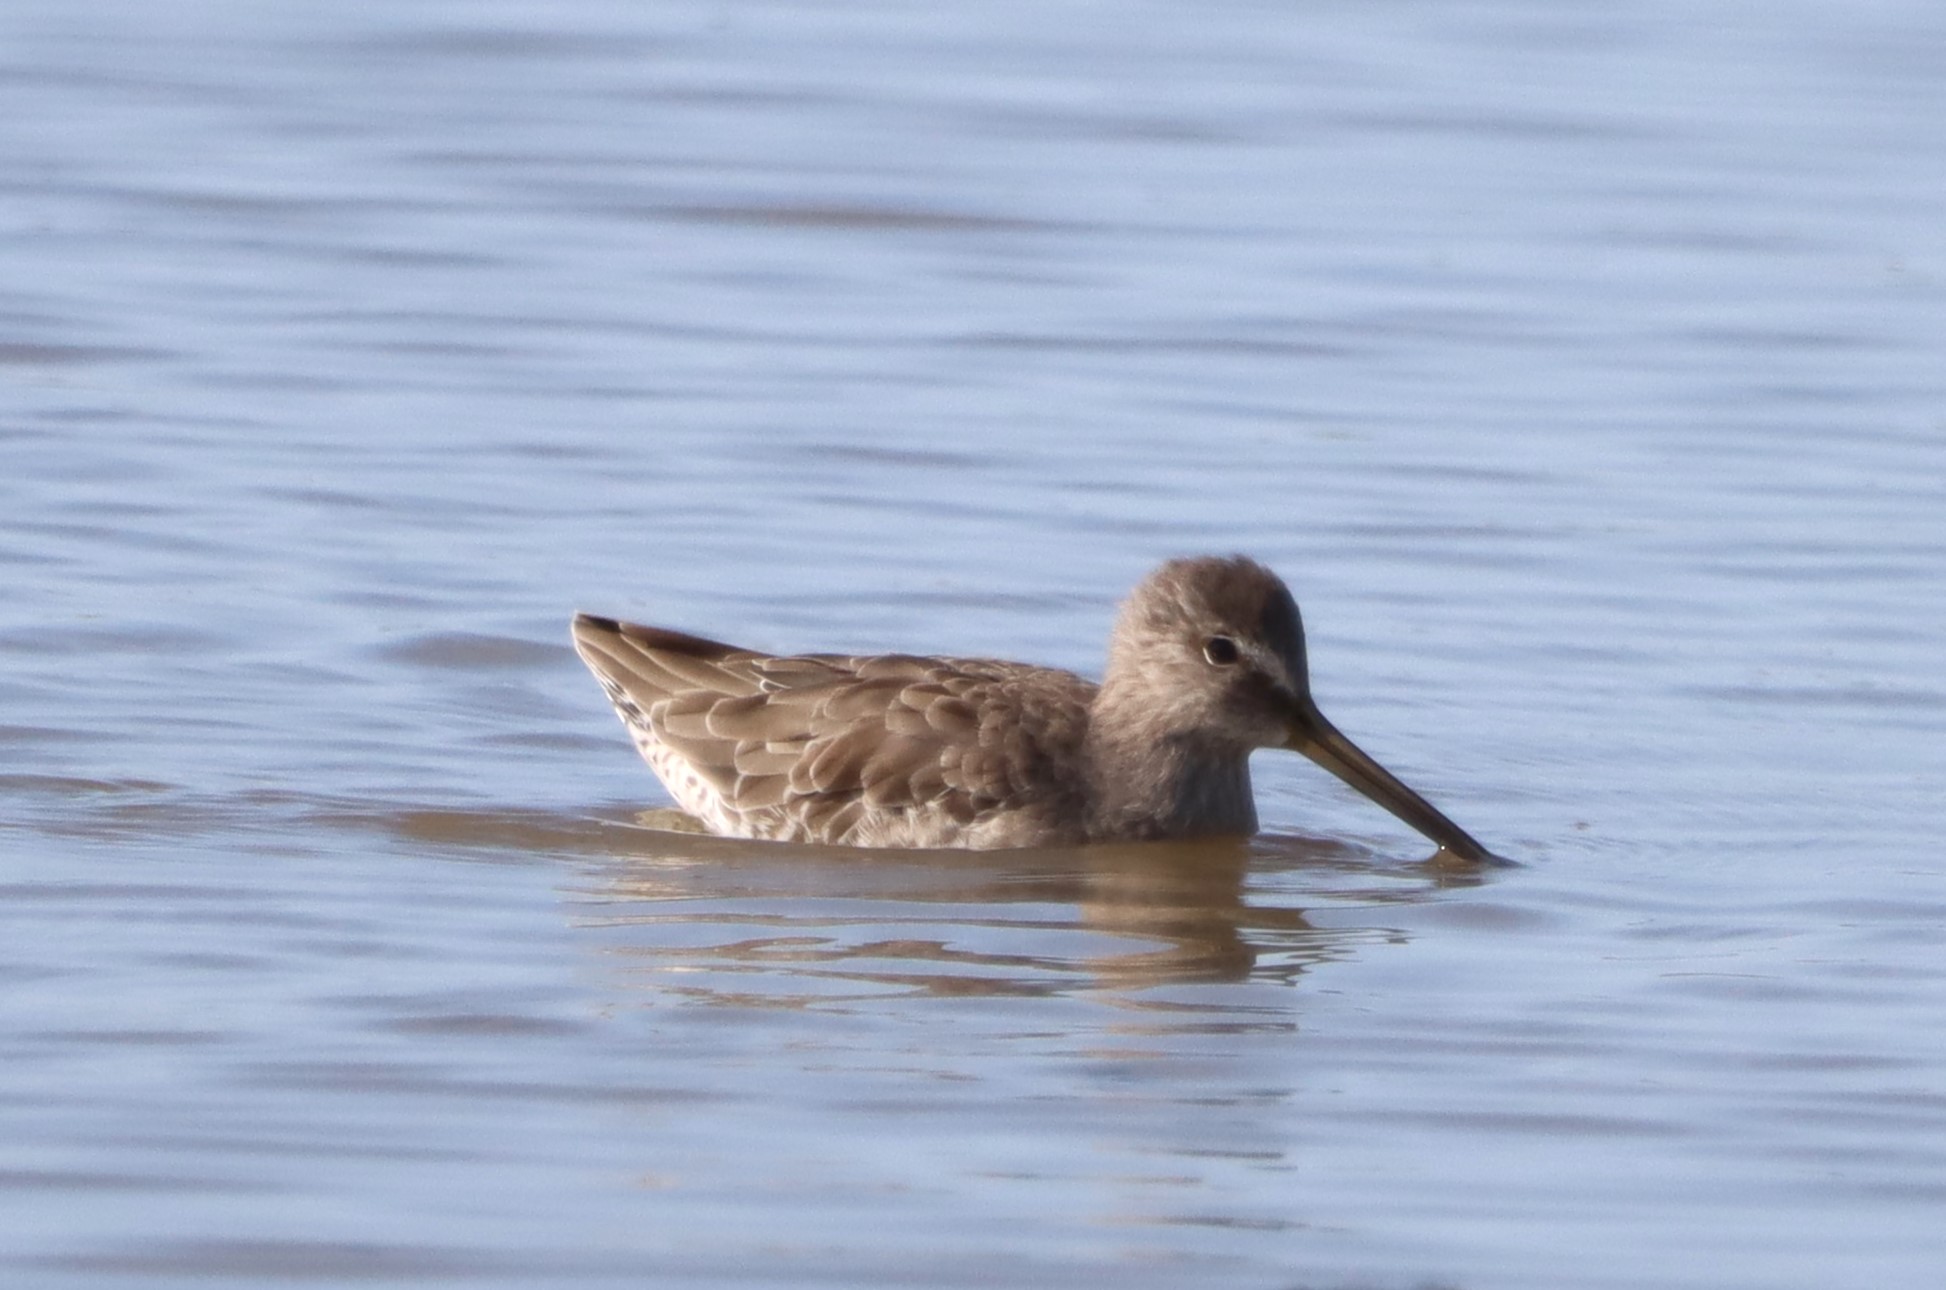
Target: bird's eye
1220 650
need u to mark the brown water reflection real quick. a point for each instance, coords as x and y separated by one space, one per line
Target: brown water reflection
720 920
723 920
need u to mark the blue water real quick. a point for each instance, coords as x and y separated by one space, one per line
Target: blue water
1584 372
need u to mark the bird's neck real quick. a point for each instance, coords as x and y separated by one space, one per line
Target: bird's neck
1148 781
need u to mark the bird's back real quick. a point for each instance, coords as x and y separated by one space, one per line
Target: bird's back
885 750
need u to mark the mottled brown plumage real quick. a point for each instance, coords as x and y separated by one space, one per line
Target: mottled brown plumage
1205 665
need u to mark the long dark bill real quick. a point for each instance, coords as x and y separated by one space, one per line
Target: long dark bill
1321 741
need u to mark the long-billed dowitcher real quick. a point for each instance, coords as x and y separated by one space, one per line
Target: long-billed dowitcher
1206 664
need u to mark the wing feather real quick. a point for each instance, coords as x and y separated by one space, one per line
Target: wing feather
831 748
749 718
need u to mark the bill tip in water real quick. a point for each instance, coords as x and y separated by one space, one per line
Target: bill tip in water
1471 858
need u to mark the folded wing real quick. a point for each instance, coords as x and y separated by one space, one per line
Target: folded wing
882 750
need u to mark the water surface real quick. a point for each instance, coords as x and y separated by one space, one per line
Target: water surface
1581 370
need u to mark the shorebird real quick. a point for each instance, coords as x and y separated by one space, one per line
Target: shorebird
1206 663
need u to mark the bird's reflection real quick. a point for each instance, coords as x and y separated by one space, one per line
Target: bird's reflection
728 920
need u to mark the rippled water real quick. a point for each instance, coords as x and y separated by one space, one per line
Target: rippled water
1584 370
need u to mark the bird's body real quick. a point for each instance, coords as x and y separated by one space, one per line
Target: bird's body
1206 664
